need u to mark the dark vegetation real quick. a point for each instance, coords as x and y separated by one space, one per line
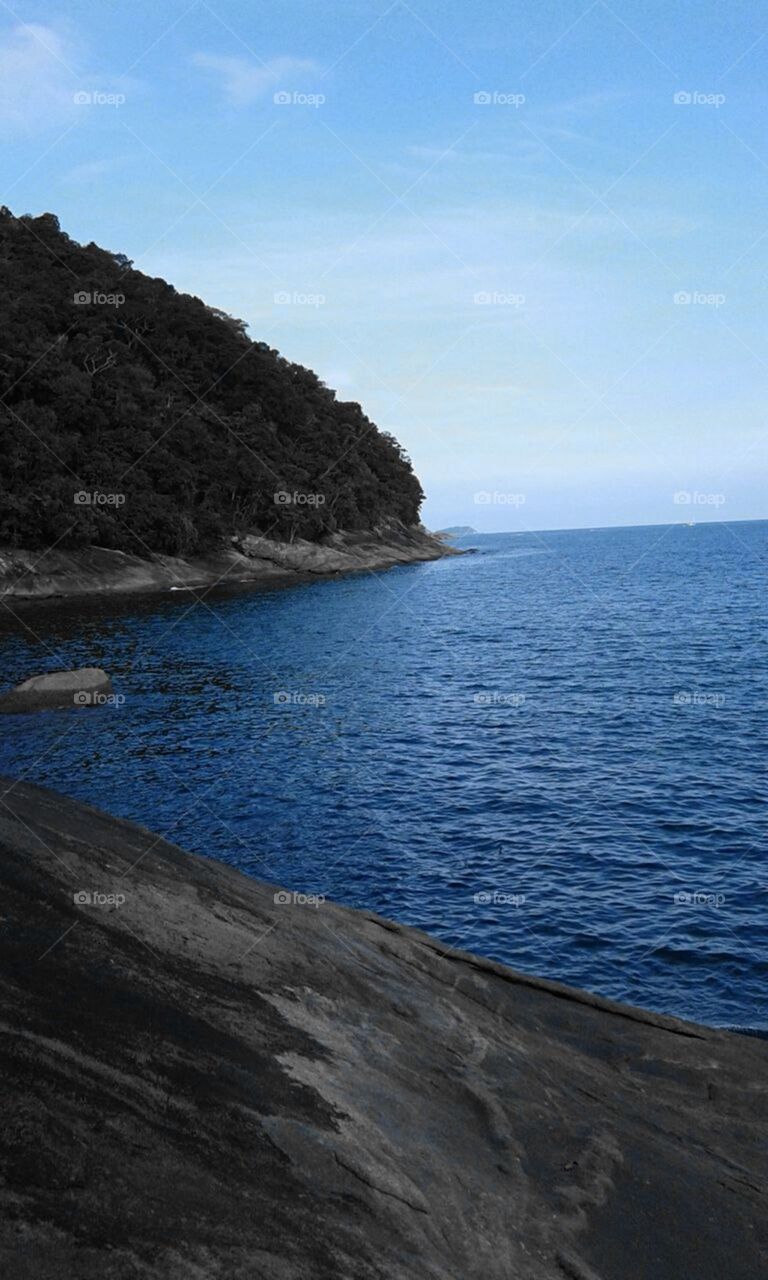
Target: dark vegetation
168 404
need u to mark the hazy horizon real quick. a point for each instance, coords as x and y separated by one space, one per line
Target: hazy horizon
598 528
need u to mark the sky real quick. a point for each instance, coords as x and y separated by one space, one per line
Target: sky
530 239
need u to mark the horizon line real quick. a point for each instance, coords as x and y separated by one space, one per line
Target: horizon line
594 528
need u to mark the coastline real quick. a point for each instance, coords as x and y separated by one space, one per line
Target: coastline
251 559
284 1087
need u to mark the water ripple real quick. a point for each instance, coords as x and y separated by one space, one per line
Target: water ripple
550 752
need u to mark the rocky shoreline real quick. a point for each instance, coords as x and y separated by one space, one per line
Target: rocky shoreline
208 1077
35 575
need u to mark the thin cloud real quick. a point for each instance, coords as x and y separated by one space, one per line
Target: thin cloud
42 85
244 81
36 86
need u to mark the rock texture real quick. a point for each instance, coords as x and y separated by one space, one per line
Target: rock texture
28 575
203 1082
86 687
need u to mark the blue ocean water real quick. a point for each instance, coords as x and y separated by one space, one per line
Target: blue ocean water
551 751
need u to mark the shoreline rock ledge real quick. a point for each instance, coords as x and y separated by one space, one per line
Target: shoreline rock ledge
249 559
203 1080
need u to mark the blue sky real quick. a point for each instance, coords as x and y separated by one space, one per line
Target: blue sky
555 299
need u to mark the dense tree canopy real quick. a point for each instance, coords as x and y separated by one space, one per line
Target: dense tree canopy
113 384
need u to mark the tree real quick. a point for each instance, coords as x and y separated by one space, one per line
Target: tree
113 383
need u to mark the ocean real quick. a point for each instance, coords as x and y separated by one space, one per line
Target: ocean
550 751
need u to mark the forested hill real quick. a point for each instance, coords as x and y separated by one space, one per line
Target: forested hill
136 417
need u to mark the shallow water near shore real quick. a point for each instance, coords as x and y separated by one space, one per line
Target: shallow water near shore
550 752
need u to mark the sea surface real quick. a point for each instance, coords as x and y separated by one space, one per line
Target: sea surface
551 751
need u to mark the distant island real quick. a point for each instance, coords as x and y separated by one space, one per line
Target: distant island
455 531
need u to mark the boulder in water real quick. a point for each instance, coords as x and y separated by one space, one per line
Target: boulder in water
88 687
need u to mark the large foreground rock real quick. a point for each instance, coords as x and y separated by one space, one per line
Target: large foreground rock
86 687
201 1082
